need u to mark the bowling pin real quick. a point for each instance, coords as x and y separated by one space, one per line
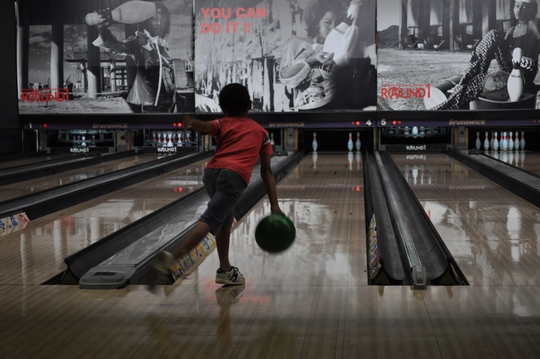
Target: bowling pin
358 143
522 141
505 156
516 141
495 142
478 142
272 143
314 157
350 157
510 142
154 138
350 144
415 174
83 141
314 143
504 142
515 81
179 143
131 12
169 144
415 131
159 138
486 142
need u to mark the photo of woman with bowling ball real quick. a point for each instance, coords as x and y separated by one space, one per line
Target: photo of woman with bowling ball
499 45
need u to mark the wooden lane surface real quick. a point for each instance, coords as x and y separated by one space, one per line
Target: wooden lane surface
19 189
319 310
526 160
26 161
36 253
493 234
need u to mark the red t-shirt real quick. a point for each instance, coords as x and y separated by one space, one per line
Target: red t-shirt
240 142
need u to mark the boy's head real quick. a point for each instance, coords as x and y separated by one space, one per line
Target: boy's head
234 100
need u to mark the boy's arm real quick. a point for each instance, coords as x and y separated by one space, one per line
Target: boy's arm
204 127
269 183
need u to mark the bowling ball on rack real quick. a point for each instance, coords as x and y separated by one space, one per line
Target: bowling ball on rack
275 233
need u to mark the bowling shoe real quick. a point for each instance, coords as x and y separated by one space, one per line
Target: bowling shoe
161 268
229 276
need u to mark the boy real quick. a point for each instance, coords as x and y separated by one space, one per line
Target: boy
241 141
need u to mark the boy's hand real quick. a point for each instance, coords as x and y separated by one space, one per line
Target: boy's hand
276 210
188 121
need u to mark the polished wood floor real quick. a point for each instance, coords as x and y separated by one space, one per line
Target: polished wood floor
312 301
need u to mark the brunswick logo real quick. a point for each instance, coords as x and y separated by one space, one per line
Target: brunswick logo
79 150
405 91
45 94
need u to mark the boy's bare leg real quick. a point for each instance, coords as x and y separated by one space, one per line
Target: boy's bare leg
193 238
223 237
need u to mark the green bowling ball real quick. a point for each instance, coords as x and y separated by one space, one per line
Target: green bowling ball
275 233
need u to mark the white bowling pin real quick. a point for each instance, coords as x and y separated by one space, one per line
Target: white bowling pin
504 142
272 139
486 143
358 144
522 141
415 131
516 141
515 81
510 142
350 157
495 141
169 135
350 144
415 174
505 156
131 12
83 141
314 143
159 138
478 142
179 143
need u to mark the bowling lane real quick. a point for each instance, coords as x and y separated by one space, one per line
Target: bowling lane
526 160
35 185
326 204
27 161
36 253
493 234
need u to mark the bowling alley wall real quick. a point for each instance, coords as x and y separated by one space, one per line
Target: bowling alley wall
374 56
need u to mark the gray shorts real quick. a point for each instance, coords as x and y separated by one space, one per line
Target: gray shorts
224 187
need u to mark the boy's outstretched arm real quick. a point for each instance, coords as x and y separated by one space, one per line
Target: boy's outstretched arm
269 183
204 127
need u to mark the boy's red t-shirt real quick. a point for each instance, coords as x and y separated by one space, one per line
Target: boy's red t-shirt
240 143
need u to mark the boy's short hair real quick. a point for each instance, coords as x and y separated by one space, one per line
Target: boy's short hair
234 98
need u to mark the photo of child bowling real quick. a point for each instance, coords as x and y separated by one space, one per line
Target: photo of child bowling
240 143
